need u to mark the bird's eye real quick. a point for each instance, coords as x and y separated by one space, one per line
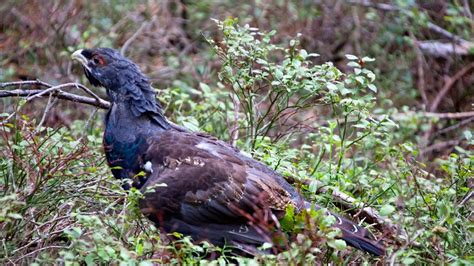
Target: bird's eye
98 60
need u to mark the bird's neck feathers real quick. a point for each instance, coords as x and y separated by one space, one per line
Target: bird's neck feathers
139 99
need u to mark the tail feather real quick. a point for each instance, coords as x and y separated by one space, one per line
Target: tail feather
353 234
358 237
244 239
363 243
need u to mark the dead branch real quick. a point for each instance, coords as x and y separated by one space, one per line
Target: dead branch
467 11
136 34
456 126
48 107
420 71
103 104
57 92
430 25
449 84
98 102
468 197
54 91
370 214
440 146
234 128
459 115
443 49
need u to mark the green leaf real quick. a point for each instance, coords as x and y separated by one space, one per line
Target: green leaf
368 59
265 246
303 53
89 260
338 244
278 74
360 79
15 216
386 210
139 249
204 87
354 64
467 134
371 76
332 86
408 261
352 57
288 221
261 62
372 87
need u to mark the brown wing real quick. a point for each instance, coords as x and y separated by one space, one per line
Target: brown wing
201 181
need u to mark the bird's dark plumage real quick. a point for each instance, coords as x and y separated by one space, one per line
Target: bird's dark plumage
192 183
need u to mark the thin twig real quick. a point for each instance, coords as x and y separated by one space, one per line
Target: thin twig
24 82
466 198
44 92
50 104
52 90
459 115
408 243
234 129
36 251
103 104
449 84
4 121
468 13
440 146
86 126
420 71
87 90
456 126
135 35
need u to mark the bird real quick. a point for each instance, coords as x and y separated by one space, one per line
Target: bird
192 183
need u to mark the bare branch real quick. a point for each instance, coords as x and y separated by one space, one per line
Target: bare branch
420 62
440 146
50 104
459 115
234 129
135 35
466 198
442 49
371 214
449 84
456 126
55 91
430 25
24 82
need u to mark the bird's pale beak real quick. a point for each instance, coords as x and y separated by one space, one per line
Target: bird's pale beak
77 55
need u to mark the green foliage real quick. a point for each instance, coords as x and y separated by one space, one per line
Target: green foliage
264 85
57 196
354 152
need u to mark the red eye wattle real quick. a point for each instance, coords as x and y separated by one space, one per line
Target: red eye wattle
98 60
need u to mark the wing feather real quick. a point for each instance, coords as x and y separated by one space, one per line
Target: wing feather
206 182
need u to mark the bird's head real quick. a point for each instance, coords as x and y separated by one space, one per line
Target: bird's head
122 78
106 67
